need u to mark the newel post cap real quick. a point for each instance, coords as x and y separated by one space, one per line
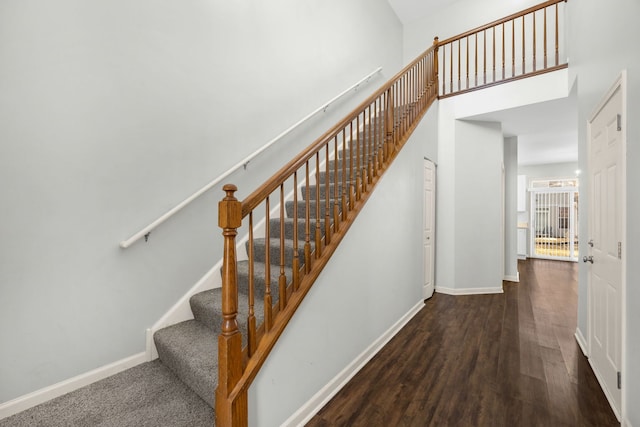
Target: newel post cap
229 209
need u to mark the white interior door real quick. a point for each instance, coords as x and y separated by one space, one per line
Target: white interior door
605 246
429 227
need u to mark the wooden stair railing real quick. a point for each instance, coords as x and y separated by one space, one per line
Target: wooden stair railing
330 181
518 46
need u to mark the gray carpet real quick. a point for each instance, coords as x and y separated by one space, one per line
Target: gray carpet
145 395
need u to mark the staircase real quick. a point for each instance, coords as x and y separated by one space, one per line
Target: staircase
190 348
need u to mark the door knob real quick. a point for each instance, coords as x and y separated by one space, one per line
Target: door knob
590 243
587 259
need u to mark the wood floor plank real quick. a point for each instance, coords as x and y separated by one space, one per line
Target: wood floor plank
484 360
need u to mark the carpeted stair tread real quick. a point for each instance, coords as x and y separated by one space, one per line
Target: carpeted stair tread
259 282
190 350
302 208
347 164
206 308
260 251
274 228
323 191
332 176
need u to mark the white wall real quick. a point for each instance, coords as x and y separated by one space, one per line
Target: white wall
511 208
349 307
479 234
597 59
114 111
460 16
564 170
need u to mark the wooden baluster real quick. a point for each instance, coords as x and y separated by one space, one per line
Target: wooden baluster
524 64
451 67
327 199
459 66
484 49
318 249
402 102
336 200
366 134
251 320
534 41
494 53
347 184
513 48
557 37
389 114
444 71
360 164
467 62
380 136
476 59
268 298
342 194
282 279
307 224
296 259
503 52
544 37
230 340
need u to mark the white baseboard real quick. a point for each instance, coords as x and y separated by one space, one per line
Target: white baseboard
30 400
469 291
311 408
582 342
515 278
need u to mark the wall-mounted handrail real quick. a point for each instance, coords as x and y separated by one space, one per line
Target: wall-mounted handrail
242 163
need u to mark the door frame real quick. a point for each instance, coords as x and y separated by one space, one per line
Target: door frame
620 83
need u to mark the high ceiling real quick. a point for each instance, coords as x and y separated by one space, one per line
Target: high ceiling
547 132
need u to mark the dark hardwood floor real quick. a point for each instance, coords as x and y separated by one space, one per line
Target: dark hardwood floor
483 360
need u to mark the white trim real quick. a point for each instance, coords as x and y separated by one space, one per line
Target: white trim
515 279
313 405
582 342
469 291
37 397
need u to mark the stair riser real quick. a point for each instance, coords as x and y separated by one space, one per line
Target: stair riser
260 251
259 280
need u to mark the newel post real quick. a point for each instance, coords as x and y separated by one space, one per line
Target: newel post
389 124
229 412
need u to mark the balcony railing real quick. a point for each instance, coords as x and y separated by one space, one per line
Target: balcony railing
521 45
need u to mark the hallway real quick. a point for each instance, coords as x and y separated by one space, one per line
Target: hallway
484 360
